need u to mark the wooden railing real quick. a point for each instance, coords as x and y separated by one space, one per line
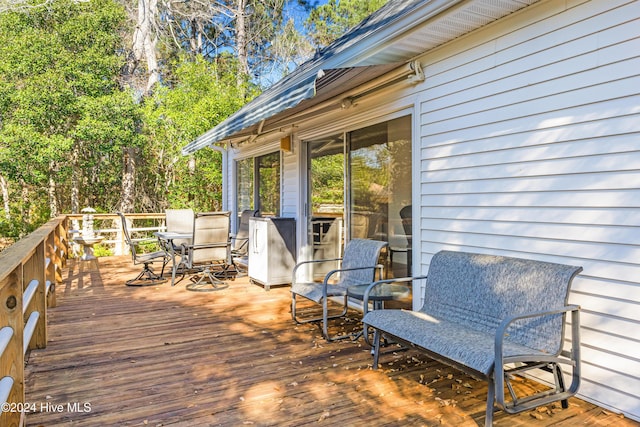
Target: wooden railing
30 269
109 226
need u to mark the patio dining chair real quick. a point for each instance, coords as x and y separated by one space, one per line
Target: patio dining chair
357 266
210 252
179 221
147 277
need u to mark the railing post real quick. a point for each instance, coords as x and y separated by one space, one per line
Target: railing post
120 247
52 261
57 252
34 269
12 360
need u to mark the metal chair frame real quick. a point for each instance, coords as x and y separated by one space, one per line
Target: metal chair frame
147 277
204 254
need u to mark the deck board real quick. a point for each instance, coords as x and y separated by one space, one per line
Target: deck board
165 356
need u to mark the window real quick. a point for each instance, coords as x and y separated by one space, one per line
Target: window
258 183
245 185
268 179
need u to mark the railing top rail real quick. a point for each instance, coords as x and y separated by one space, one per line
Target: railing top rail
136 215
15 254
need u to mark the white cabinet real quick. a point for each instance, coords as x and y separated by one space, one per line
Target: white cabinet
272 248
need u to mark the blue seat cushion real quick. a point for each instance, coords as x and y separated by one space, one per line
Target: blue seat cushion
461 344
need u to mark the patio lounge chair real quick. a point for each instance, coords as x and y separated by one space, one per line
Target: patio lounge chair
357 266
146 277
209 252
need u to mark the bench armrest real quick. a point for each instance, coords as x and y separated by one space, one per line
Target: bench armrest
370 288
572 358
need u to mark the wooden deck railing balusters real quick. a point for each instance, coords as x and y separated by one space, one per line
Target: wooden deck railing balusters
29 270
114 236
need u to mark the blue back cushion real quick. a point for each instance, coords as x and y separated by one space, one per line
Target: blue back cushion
360 253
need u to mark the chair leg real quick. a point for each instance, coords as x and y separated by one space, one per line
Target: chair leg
491 397
560 386
293 307
207 282
323 319
146 278
326 317
376 348
294 313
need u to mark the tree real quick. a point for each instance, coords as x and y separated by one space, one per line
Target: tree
252 31
60 69
199 95
334 18
97 97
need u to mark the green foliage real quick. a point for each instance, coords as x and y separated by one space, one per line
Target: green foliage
67 120
327 173
334 18
59 89
102 250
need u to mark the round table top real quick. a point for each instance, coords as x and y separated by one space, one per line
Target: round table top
382 292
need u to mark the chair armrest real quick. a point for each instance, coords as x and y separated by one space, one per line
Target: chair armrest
325 282
242 245
315 261
573 358
207 245
365 300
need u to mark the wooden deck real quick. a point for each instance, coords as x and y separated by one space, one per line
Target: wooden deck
159 356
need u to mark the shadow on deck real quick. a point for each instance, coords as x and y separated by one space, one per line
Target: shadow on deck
161 355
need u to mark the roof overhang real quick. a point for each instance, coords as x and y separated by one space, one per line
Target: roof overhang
398 33
279 103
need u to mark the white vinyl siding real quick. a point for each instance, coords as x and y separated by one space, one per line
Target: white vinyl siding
530 146
289 197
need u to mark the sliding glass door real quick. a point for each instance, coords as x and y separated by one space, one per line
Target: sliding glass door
325 204
375 202
380 181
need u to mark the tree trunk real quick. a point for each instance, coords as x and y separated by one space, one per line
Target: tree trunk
145 39
127 204
241 42
75 184
197 31
53 200
25 207
4 186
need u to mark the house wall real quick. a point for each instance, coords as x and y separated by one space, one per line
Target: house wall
526 143
290 185
529 145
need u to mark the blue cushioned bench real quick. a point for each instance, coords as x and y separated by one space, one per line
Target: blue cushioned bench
492 317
